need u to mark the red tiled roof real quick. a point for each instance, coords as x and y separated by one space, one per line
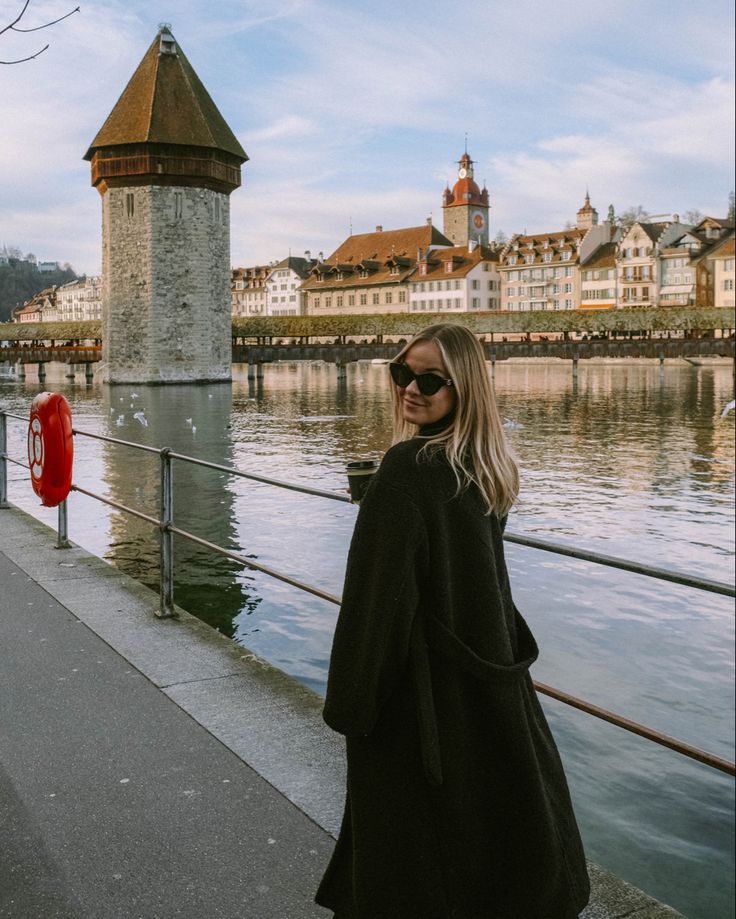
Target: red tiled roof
375 252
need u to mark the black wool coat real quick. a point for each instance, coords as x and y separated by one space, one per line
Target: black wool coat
457 805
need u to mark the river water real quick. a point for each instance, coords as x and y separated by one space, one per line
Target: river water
630 459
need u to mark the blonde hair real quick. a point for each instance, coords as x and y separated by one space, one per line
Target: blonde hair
474 442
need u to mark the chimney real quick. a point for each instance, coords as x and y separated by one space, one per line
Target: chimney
429 221
379 228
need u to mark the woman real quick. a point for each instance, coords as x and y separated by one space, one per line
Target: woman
457 805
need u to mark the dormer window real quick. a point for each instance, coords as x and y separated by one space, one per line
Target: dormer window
512 260
547 257
565 256
449 265
394 269
423 268
362 273
529 259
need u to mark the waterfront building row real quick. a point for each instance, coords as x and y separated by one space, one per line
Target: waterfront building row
73 302
588 265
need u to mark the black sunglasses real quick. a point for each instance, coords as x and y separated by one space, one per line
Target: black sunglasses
428 384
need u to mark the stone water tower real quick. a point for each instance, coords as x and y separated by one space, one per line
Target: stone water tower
165 163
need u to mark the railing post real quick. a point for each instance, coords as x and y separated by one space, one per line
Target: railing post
166 604
62 528
3 462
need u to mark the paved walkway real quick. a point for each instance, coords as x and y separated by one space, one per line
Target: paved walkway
152 769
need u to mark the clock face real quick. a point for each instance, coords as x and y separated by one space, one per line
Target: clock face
479 220
462 173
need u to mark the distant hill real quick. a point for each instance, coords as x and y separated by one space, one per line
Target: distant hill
20 280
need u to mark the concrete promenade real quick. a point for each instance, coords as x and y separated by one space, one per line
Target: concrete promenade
152 769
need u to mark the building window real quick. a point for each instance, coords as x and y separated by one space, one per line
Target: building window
351 299
374 299
402 296
316 302
389 297
338 300
475 284
476 303
363 299
728 284
568 304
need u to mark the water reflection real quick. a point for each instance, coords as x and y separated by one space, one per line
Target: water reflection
194 421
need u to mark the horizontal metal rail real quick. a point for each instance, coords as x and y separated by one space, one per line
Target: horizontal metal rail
257 566
292 486
663 574
166 455
664 740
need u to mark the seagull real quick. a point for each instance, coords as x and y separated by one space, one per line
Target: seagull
729 408
120 421
139 416
188 421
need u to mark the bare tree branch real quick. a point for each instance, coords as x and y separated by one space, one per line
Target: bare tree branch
47 24
12 27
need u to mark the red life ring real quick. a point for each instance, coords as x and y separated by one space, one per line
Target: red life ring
50 447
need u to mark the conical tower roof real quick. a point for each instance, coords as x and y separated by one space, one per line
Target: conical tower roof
165 102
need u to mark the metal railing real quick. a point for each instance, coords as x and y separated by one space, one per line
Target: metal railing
167 530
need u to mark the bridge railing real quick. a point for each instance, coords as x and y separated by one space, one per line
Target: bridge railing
164 522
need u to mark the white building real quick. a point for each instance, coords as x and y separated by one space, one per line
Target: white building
79 300
457 279
283 294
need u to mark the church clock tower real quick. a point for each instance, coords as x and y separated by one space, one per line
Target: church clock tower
465 208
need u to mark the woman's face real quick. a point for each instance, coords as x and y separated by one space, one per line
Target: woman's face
425 357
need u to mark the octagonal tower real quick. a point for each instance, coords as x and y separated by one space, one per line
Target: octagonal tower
165 163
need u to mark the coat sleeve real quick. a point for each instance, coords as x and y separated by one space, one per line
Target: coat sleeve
386 562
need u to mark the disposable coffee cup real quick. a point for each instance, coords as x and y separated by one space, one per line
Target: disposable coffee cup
359 475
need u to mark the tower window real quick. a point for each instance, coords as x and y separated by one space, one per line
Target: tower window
130 204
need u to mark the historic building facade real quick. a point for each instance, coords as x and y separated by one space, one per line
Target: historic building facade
41 308
370 272
79 300
284 294
248 290
165 163
458 279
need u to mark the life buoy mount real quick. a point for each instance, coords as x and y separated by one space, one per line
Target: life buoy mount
50 447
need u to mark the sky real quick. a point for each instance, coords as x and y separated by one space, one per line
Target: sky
355 114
